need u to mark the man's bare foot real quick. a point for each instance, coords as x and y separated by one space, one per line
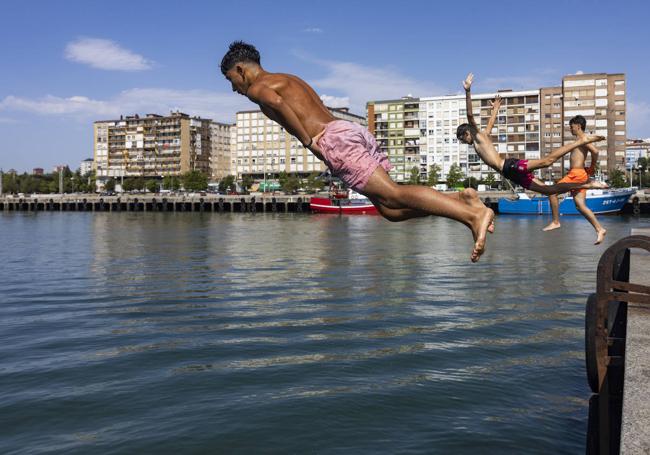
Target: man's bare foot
553 225
601 236
485 219
470 197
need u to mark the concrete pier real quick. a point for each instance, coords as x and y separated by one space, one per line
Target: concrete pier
251 203
635 431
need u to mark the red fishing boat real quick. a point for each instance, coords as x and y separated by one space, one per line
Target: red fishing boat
343 203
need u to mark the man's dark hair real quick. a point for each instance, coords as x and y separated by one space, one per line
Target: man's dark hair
239 51
463 128
579 120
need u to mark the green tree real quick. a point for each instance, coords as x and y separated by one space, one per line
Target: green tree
246 182
455 176
490 180
128 184
110 185
227 184
175 183
314 184
288 183
195 181
470 182
414 179
617 179
171 183
10 183
434 175
152 185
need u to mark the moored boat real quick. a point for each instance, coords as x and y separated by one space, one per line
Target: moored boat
599 201
347 203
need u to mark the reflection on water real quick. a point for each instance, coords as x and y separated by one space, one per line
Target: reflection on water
178 332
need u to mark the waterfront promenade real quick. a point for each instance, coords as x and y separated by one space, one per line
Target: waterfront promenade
210 202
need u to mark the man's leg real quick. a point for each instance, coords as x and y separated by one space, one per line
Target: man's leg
467 196
581 205
560 152
424 199
555 211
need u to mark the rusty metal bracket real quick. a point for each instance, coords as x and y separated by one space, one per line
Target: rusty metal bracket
613 285
605 331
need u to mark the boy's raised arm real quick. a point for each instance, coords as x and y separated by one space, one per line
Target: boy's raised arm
467 85
496 105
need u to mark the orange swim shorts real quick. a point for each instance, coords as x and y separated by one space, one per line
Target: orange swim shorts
576 176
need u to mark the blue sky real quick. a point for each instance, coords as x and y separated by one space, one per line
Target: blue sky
65 64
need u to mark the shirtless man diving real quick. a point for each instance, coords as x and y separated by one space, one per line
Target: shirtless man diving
578 173
348 149
519 171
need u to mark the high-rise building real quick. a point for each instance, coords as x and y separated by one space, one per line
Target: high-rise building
265 149
220 158
396 126
152 146
551 129
38 171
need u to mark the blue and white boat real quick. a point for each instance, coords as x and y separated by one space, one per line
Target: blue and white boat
599 201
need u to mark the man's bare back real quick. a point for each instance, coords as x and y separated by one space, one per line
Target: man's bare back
304 101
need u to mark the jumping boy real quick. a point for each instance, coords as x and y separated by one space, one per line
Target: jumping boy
578 174
348 149
519 171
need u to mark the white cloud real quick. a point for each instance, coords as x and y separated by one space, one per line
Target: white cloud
313 30
335 101
360 83
106 55
220 106
638 119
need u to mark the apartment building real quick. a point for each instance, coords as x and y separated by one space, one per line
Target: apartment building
263 147
551 129
152 146
635 149
396 126
86 166
221 155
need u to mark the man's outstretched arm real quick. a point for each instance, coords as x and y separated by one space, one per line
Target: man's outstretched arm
268 98
467 85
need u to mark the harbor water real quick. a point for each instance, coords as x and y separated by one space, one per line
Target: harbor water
128 333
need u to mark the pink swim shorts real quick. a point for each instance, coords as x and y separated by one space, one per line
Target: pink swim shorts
351 153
